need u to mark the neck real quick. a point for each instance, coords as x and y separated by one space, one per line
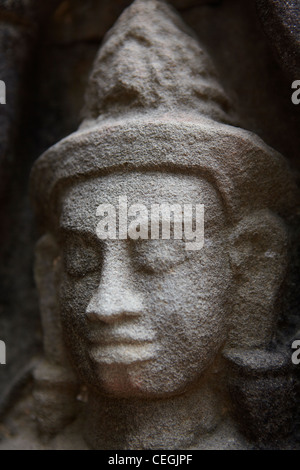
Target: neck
170 423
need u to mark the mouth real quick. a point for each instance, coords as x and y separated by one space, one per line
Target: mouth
121 345
123 354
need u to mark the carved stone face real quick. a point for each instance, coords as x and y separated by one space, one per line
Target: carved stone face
145 317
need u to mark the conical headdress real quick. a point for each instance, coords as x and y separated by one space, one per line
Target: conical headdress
151 61
154 103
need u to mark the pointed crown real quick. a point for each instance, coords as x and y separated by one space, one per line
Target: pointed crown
154 102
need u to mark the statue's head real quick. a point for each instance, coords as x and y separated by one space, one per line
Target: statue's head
144 317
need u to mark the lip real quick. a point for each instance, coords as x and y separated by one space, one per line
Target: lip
119 335
124 354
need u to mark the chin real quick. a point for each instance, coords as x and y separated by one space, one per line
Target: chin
137 381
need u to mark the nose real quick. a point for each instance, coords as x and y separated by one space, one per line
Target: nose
116 297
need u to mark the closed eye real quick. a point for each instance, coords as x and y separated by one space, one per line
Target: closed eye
82 254
154 256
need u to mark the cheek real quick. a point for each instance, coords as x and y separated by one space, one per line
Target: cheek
74 298
188 313
75 295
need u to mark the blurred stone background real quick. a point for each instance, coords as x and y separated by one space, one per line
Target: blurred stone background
46 53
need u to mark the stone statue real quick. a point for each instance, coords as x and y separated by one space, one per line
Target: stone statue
148 345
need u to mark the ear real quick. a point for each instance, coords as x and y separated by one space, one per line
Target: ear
258 246
56 386
46 273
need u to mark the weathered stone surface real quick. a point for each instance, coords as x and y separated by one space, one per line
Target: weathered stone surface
263 393
148 325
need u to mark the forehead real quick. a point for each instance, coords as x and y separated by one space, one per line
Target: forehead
80 203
